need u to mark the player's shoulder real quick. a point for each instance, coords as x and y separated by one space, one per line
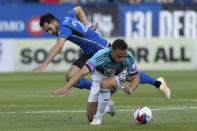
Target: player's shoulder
102 53
64 22
129 57
129 54
67 19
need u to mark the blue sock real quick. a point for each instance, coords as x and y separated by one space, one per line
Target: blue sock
84 84
145 78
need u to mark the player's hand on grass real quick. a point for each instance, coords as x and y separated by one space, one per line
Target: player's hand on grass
66 92
94 27
39 68
127 89
59 91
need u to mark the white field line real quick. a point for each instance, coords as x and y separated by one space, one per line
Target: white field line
81 111
38 95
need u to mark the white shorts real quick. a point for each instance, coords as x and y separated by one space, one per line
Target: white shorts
97 77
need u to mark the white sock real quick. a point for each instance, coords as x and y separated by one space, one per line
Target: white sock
104 96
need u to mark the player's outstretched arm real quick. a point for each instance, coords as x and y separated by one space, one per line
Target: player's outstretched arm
81 15
54 51
83 72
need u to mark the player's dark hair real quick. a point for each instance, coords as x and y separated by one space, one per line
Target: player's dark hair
46 18
119 44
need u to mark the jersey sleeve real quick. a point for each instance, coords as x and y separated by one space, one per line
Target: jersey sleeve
94 62
71 14
90 65
64 31
131 65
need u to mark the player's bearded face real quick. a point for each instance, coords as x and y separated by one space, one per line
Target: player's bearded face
118 55
51 28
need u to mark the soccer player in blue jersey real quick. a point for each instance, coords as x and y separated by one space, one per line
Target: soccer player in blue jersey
109 68
74 27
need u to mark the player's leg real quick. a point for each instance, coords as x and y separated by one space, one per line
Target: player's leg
93 99
107 85
71 72
163 88
158 83
91 110
120 79
83 83
146 79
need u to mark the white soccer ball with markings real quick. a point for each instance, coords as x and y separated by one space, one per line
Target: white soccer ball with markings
142 115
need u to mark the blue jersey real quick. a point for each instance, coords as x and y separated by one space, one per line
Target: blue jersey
79 33
103 63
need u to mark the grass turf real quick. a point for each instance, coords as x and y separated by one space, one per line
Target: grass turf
26 104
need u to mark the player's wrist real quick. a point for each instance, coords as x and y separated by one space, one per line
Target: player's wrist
127 89
130 88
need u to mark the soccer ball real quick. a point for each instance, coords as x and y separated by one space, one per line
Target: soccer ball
142 115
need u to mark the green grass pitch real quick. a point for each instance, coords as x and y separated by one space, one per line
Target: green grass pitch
26 104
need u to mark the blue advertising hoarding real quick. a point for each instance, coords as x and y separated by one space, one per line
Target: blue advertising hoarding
178 21
139 20
131 21
22 21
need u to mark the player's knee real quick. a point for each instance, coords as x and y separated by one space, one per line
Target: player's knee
107 85
68 77
103 85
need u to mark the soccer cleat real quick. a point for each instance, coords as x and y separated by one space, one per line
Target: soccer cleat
97 120
163 88
111 106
